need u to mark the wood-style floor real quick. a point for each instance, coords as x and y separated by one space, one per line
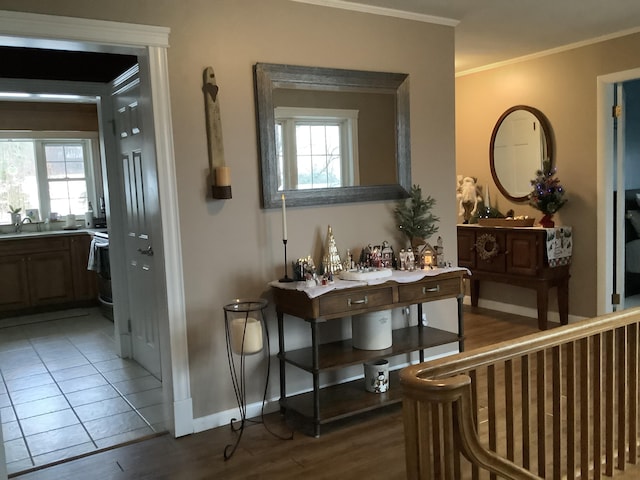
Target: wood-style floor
369 446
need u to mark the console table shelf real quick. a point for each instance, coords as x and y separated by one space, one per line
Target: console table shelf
344 400
323 405
336 355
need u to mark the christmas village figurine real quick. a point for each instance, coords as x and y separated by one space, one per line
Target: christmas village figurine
331 260
469 195
386 255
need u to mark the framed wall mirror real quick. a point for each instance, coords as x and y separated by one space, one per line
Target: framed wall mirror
521 140
332 136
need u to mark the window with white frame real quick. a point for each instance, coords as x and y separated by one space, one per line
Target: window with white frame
56 172
316 147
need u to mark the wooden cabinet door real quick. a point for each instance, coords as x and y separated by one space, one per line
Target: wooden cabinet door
466 247
14 283
84 281
524 253
50 279
490 249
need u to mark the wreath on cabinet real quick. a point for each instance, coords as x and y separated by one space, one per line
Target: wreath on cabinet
486 246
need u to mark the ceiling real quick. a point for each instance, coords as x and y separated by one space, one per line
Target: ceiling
486 32
492 31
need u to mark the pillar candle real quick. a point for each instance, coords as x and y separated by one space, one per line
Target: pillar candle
284 218
252 335
223 176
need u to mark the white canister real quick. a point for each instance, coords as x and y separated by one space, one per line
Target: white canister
372 331
88 219
376 376
252 335
71 221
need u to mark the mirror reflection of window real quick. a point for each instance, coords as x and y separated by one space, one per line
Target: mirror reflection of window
518 151
316 148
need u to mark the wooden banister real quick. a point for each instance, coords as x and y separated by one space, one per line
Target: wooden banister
557 404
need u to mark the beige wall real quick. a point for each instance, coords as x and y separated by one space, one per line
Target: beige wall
563 87
233 248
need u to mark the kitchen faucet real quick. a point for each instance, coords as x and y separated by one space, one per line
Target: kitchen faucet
18 225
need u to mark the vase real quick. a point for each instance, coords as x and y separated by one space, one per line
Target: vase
547 221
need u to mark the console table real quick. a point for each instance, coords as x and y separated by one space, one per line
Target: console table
322 304
518 256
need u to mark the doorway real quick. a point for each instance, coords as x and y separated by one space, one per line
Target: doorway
615 194
44 31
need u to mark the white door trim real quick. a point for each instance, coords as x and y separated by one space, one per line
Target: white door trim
35 30
605 177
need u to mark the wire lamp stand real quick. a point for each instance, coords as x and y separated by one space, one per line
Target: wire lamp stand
244 321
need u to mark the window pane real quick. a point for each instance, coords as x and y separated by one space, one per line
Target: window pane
66 173
304 172
18 180
303 139
318 140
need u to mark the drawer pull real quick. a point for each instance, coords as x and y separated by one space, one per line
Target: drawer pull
435 289
364 301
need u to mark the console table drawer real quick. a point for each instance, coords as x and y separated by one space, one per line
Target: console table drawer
429 290
347 302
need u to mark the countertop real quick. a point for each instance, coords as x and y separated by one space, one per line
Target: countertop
50 233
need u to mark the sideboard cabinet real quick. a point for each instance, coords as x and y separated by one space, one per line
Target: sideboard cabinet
514 255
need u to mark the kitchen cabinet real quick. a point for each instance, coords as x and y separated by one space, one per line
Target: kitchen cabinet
324 405
517 256
85 282
46 271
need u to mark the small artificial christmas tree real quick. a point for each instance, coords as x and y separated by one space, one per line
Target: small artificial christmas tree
414 216
547 195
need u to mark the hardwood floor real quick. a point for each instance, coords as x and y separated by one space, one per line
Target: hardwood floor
367 446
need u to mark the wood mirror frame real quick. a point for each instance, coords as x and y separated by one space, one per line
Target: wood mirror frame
268 77
546 149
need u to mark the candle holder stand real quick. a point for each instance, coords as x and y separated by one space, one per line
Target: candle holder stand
244 322
286 278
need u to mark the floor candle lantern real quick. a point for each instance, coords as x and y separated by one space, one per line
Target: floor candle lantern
244 321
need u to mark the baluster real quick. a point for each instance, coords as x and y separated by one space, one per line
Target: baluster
491 404
509 408
526 421
475 471
541 392
621 380
585 397
609 407
451 467
633 393
597 407
571 409
556 375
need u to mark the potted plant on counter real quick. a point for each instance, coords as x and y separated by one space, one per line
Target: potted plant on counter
547 195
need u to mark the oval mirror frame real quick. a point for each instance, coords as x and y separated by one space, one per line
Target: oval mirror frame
268 77
547 146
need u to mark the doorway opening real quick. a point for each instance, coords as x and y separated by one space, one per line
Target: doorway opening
617 278
150 43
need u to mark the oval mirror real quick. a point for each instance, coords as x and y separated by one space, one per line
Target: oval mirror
520 142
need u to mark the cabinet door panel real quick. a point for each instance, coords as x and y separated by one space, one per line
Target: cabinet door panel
84 281
490 250
466 248
50 278
14 286
524 256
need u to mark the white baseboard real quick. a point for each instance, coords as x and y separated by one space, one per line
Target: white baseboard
519 310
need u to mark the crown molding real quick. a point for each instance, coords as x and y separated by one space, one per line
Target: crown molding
387 12
551 51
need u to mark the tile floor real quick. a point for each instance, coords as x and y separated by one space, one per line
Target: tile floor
64 392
